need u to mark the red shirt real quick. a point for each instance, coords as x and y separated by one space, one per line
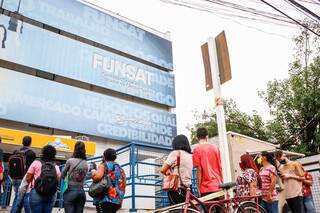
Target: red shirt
307 189
207 157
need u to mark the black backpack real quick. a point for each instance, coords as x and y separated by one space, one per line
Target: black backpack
17 167
47 183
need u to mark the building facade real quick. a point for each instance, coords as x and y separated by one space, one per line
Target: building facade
69 68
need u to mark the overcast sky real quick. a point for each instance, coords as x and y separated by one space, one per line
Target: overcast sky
256 57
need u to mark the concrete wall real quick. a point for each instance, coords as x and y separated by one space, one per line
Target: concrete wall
239 145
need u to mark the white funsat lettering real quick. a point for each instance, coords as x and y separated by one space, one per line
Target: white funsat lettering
121 69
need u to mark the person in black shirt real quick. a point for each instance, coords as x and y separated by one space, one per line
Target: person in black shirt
30 156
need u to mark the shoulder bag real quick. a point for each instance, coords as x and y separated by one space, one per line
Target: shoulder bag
171 182
100 188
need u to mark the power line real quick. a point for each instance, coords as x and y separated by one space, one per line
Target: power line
304 9
227 16
270 5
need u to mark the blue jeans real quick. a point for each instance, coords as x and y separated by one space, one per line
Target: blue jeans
41 204
74 199
309 204
270 207
17 201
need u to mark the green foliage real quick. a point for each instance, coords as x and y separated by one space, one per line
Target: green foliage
236 121
295 102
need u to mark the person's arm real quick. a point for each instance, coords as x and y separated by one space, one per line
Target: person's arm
299 174
272 187
199 176
98 174
169 162
65 169
30 172
253 188
165 169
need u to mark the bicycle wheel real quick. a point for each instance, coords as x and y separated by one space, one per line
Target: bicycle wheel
250 207
216 209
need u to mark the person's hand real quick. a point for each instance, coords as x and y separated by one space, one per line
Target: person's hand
168 172
286 176
269 197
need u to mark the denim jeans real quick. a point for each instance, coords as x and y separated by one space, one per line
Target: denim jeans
270 207
74 199
41 204
309 204
18 200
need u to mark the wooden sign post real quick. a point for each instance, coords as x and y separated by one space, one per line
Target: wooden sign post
216 56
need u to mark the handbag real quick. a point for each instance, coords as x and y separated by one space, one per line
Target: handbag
67 178
171 182
100 188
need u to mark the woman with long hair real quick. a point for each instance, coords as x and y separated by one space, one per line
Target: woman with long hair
181 147
268 174
249 180
74 173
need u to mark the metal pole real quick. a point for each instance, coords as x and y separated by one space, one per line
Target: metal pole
133 160
223 143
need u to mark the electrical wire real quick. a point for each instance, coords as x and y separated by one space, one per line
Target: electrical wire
299 23
304 9
228 17
301 11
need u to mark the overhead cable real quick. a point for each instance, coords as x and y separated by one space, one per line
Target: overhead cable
299 23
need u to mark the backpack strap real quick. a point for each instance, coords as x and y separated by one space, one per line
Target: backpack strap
178 165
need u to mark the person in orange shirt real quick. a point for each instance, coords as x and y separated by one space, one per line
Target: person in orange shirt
207 160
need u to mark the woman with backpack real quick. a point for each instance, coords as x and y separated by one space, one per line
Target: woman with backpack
74 173
43 179
182 153
110 202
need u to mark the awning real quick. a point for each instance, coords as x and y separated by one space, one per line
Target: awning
12 140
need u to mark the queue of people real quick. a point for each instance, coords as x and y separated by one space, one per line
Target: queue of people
274 170
36 181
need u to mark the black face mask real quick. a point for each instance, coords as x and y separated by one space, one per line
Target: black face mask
282 161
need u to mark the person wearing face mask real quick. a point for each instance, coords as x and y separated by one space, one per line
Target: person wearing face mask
248 182
292 175
268 174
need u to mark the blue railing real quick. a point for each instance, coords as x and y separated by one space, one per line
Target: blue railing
141 164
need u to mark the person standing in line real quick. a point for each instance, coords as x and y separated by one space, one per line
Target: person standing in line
292 175
307 194
207 161
268 174
181 148
2 178
21 200
247 183
74 197
43 178
112 201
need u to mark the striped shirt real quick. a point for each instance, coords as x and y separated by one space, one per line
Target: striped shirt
266 173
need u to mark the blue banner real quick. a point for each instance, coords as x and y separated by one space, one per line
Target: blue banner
41 49
77 18
33 100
